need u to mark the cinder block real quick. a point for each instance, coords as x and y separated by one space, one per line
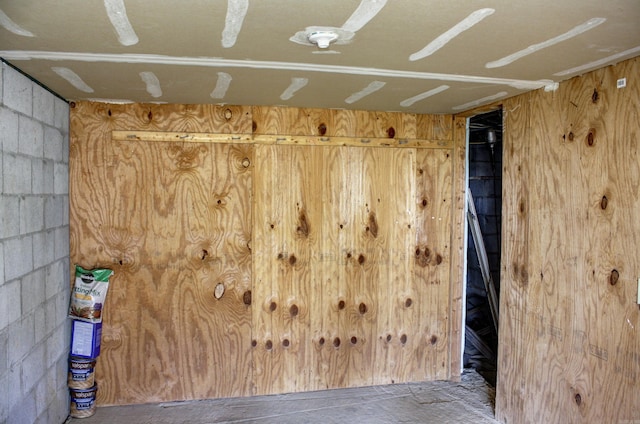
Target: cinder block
21 338
33 368
43 109
43 245
40 323
56 346
61 238
479 153
62 309
50 315
45 394
18 257
4 395
10 303
25 410
37 176
4 354
53 211
30 137
31 214
16 174
18 91
47 174
61 115
53 144
55 412
55 279
9 217
14 394
14 304
65 149
8 130
61 178
62 367
44 390
33 291
2 280
65 209
59 409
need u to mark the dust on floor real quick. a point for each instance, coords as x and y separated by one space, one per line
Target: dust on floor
468 401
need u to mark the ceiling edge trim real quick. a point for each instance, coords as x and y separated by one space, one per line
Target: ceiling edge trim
213 62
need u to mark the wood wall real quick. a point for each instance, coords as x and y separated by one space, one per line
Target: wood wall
569 349
312 249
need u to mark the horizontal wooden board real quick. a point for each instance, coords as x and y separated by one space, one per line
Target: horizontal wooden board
300 140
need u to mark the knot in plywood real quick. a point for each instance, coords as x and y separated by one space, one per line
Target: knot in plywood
423 256
303 228
187 157
219 291
591 137
372 228
614 277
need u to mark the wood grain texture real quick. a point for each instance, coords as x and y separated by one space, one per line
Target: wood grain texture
345 123
172 221
569 353
288 211
340 194
270 120
311 250
435 127
432 261
457 246
515 224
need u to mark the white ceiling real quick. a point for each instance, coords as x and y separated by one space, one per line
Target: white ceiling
416 56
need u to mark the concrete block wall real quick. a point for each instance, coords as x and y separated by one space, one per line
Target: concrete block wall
34 252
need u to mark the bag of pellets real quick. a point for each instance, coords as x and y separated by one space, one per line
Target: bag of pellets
88 294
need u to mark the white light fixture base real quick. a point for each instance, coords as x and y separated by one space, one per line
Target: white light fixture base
323 38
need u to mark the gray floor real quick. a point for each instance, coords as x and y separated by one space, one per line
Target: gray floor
470 401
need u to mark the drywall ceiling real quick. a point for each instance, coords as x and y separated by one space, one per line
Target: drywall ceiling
413 56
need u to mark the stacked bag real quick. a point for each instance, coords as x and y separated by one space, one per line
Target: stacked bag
85 308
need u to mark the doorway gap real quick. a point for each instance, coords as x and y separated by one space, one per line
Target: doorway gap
484 159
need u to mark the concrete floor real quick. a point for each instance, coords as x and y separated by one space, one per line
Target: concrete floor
470 401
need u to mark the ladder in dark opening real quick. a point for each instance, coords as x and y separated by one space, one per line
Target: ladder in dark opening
472 218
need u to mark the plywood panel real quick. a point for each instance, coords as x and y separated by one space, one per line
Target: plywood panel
173 221
515 224
383 218
457 246
311 248
435 127
310 122
340 196
384 124
432 256
288 211
573 337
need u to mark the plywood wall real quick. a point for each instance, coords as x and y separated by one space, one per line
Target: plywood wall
569 347
254 267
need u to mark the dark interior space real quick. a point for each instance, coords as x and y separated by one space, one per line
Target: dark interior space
485 186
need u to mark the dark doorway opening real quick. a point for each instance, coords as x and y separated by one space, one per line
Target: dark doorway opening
485 188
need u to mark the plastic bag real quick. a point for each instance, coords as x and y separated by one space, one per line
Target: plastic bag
88 294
